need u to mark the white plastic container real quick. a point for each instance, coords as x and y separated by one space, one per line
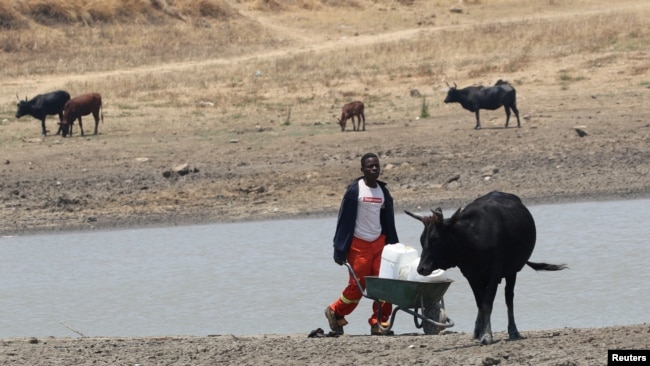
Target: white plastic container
396 260
435 276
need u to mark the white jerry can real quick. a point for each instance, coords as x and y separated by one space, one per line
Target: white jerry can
396 260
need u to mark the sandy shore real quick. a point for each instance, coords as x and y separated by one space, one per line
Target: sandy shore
566 346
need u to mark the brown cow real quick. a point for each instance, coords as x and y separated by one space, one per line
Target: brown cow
81 105
351 110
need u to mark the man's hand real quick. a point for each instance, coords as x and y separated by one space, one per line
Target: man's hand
339 261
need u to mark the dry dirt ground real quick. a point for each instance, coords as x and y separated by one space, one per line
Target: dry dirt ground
558 347
103 182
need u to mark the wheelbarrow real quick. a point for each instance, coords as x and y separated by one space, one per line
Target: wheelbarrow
423 300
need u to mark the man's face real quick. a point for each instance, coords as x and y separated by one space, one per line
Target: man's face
371 168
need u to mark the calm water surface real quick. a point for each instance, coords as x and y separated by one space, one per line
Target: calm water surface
278 276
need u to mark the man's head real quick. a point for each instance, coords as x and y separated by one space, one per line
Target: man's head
366 156
370 168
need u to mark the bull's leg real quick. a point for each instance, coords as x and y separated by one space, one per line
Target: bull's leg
43 131
482 326
478 122
485 309
478 324
364 121
81 127
507 108
354 123
60 121
96 115
514 109
478 292
513 333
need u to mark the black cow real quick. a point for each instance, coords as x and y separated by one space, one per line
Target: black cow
79 106
474 98
43 105
490 239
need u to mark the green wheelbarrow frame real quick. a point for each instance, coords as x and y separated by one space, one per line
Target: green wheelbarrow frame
423 300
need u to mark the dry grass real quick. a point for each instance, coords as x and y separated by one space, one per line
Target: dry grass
174 50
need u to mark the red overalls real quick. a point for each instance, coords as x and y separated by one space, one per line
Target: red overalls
365 258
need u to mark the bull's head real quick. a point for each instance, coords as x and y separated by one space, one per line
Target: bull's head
437 241
452 94
23 107
65 129
342 123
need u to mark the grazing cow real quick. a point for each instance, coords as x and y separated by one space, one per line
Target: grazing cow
349 111
42 106
474 98
490 239
82 105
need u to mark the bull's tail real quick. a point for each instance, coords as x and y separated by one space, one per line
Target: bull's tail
546 266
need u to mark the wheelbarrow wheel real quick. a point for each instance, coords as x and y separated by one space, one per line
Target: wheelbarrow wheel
436 313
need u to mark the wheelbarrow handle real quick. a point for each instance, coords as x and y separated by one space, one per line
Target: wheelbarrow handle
356 279
365 294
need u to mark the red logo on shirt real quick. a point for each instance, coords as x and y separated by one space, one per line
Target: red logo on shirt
372 199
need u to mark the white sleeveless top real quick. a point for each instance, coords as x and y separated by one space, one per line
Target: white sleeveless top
370 202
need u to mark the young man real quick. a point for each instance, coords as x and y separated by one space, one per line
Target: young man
366 223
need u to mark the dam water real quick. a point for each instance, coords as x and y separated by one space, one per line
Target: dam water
276 277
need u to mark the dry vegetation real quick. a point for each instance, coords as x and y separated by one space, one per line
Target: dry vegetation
203 74
48 37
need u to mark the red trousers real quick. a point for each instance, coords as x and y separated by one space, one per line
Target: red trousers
364 257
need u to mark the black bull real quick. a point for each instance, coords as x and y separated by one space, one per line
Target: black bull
475 98
42 106
490 239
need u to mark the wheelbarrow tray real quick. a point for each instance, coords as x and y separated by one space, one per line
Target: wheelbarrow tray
406 294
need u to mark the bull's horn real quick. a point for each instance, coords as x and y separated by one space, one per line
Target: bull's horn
455 85
446 82
415 216
426 220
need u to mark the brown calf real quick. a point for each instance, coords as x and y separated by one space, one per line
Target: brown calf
82 105
351 110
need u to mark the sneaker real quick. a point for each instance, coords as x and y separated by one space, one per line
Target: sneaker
376 330
336 323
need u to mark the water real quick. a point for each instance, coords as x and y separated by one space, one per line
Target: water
278 276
